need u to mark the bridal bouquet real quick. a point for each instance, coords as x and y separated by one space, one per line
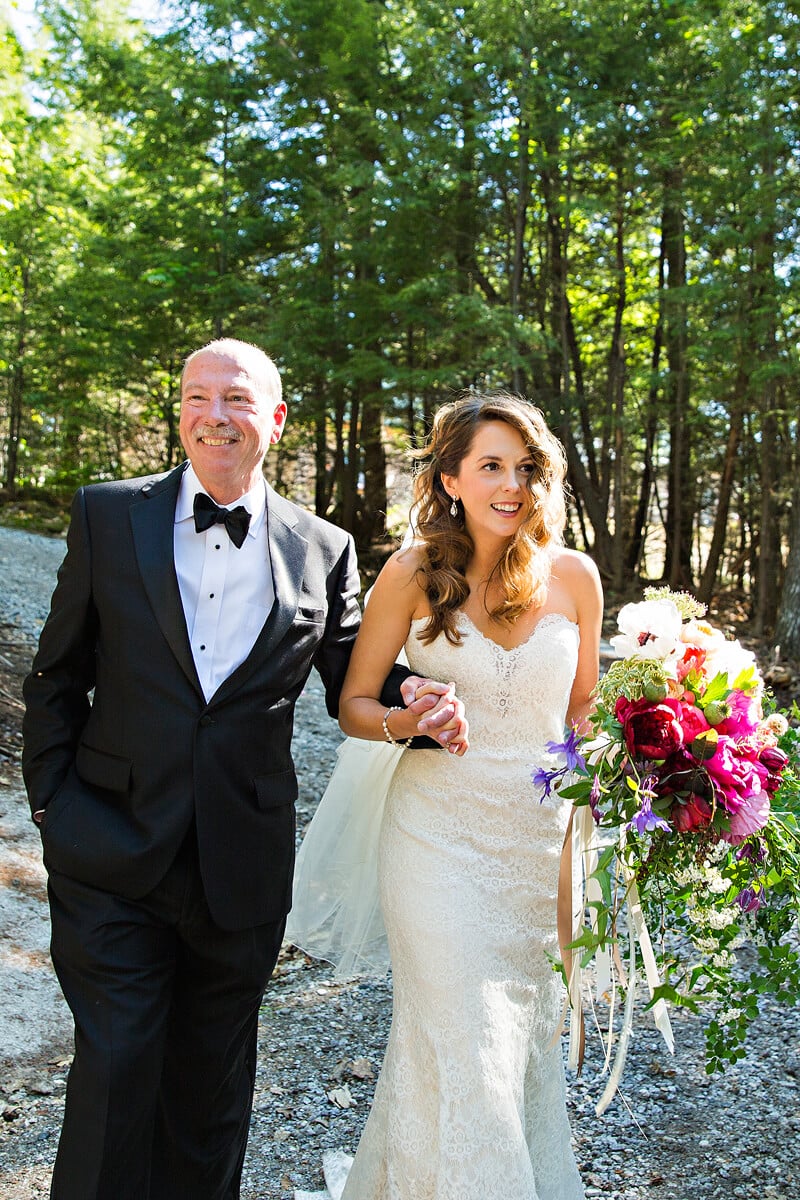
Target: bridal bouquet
693 786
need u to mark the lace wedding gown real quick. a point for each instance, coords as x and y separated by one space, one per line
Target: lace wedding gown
470 1103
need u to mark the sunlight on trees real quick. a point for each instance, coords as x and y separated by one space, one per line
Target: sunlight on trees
594 204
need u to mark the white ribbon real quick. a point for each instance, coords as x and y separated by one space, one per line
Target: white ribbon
608 965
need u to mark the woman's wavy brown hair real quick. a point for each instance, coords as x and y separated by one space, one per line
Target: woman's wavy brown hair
523 570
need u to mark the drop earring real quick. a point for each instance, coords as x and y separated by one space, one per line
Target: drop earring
454 507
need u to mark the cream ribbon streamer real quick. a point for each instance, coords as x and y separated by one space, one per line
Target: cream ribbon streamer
586 843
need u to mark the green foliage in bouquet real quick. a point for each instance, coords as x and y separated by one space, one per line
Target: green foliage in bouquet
693 781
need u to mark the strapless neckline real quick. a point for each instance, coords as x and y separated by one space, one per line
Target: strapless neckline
548 619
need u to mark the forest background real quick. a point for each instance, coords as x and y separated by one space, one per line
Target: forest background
594 203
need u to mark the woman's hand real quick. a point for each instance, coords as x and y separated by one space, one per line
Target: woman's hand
441 713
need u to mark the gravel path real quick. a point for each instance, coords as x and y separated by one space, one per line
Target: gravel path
675 1134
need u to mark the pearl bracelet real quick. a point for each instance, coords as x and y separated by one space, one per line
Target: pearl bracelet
388 732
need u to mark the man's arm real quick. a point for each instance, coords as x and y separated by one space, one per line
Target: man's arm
56 692
332 656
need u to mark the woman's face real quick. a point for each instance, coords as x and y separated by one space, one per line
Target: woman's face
492 482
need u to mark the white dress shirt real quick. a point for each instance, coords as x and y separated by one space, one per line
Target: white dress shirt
227 593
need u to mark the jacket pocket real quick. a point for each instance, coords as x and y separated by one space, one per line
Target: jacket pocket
276 790
103 770
316 615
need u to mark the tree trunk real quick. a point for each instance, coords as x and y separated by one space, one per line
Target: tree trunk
16 390
616 402
561 359
635 547
769 558
350 465
321 482
787 626
411 362
520 246
372 518
719 535
680 507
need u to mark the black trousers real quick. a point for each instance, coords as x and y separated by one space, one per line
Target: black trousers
166 1008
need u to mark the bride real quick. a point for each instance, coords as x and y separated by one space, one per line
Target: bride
470 1102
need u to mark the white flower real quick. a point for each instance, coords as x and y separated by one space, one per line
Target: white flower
776 724
721 918
717 884
724 656
731 659
702 634
650 629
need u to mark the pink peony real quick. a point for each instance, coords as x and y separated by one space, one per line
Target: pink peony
751 816
735 772
693 721
744 715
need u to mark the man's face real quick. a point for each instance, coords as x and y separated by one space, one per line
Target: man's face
228 421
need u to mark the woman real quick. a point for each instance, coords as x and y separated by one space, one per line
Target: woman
470 1102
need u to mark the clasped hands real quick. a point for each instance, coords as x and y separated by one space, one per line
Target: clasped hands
440 712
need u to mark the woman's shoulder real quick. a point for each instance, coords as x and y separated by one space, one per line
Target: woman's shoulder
399 575
577 572
405 563
398 592
573 563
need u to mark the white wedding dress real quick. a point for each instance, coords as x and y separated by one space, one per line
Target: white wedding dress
470 1103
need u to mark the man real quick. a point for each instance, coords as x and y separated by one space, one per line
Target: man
166 802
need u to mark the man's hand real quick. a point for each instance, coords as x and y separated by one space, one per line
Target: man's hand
441 713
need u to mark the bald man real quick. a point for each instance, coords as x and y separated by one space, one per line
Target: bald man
188 613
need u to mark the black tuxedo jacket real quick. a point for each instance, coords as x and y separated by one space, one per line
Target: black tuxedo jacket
122 772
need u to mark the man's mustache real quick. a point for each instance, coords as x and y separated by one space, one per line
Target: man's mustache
226 432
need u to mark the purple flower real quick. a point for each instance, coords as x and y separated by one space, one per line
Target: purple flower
595 792
749 900
645 820
752 851
569 748
545 779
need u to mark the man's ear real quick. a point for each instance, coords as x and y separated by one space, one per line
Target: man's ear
278 422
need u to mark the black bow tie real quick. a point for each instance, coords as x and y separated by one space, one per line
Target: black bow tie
207 513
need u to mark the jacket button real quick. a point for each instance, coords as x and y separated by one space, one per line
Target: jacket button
206 720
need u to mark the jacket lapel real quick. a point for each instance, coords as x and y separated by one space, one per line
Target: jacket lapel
288 551
152 521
